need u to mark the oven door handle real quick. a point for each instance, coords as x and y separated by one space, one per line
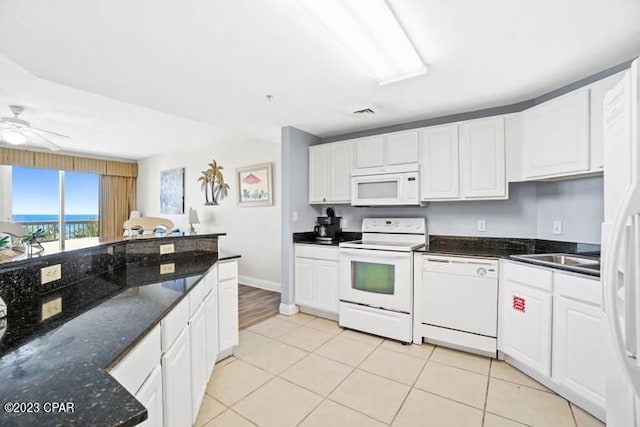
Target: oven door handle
378 253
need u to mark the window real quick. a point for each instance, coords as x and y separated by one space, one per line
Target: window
69 217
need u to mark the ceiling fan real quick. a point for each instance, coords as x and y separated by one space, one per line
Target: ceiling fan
16 131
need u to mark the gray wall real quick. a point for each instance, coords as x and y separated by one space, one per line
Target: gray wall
529 212
294 153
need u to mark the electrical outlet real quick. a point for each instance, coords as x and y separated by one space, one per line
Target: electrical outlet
343 223
557 227
167 268
167 249
51 308
482 225
295 216
50 274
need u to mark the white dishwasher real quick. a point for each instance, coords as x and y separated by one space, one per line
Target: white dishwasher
459 303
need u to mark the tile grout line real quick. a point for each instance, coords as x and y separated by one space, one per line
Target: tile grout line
486 393
412 387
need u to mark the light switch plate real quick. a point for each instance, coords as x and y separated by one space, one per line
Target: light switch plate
557 227
482 225
295 216
167 268
50 274
167 249
51 308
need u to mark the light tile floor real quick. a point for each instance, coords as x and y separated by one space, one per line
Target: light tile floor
307 371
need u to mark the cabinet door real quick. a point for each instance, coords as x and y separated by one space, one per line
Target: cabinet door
228 307
327 286
176 375
482 159
439 163
555 136
598 91
527 326
199 371
402 148
369 152
578 351
305 281
318 173
211 314
150 395
340 165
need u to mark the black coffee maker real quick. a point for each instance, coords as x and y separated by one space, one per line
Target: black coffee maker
328 228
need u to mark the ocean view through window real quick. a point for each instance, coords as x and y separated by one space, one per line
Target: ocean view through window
38 202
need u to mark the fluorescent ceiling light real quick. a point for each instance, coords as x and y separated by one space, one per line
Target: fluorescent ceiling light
14 137
370 30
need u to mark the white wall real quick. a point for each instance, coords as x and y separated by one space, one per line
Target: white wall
253 233
5 195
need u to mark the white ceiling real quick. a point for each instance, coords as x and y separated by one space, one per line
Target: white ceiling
213 61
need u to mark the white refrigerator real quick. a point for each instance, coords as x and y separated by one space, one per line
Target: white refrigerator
621 248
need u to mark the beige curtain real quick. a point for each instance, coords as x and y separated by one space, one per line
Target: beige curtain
116 202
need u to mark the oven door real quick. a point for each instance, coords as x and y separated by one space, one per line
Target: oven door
376 278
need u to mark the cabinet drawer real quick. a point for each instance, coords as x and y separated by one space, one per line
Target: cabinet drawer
196 295
535 277
227 270
134 369
329 253
579 288
174 322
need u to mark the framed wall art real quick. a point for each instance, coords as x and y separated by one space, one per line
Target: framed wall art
255 185
172 191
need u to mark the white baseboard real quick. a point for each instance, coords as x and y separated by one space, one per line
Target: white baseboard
259 283
289 309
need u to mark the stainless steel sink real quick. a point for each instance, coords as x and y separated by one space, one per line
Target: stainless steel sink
567 261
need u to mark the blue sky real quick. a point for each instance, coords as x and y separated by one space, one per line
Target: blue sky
35 191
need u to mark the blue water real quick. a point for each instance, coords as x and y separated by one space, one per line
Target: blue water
45 218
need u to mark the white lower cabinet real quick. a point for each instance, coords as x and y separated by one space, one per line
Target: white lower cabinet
211 315
176 378
227 305
526 311
150 395
316 278
169 369
199 368
551 326
578 352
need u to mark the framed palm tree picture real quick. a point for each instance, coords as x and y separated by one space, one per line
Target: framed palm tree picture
255 185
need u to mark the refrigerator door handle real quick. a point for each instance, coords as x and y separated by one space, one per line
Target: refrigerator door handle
629 206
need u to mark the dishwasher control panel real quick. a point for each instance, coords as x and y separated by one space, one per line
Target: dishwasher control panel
478 267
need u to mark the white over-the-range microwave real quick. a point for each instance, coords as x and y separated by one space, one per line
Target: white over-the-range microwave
386 189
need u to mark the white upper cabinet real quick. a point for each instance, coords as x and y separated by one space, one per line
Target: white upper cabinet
330 172
482 159
598 91
439 163
555 137
369 152
402 148
388 153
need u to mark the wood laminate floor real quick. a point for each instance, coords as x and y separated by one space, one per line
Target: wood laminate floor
255 305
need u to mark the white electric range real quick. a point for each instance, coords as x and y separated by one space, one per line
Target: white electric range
376 277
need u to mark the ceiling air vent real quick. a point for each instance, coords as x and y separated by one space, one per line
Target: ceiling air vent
364 111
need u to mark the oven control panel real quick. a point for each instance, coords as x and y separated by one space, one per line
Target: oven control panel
394 225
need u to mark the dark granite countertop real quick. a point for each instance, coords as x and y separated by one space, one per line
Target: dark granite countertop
309 237
65 358
17 260
497 247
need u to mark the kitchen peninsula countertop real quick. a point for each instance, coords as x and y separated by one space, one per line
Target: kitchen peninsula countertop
64 359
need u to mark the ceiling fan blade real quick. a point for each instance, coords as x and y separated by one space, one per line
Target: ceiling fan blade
51 133
41 139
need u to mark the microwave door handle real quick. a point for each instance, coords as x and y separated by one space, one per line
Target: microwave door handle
629 206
